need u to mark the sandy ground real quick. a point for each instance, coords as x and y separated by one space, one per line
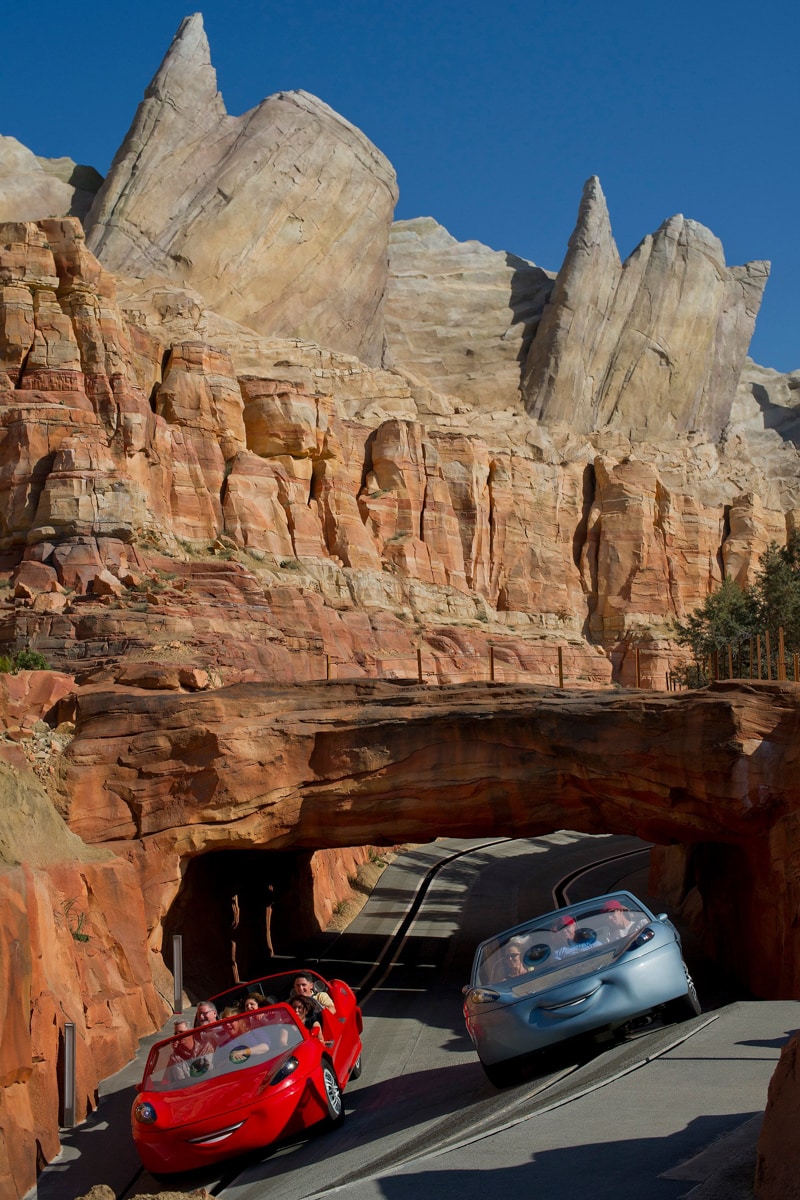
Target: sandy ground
367 877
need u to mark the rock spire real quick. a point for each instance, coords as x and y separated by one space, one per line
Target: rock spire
654 345
280 218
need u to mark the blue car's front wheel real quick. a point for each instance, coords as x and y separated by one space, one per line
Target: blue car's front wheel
502 1074
685 1006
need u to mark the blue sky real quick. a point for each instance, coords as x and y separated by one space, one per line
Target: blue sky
493 114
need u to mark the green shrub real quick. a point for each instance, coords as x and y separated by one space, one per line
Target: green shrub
30 660
23 660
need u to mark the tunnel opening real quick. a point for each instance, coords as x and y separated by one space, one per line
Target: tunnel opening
236 911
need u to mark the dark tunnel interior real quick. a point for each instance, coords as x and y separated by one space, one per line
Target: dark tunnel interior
235 910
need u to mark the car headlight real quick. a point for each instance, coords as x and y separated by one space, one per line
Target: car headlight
146 1113
646 935
482 996
286 1068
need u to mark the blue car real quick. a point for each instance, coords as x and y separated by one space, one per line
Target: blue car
589 967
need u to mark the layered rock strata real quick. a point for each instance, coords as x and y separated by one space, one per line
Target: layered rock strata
162 777
363 540
280 218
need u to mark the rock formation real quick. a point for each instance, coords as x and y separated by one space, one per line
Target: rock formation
64 906
31 187
459 315
778 1164
213 494
279 217
169 775
121 435
654 345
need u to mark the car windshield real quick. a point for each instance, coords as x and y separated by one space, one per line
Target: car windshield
212 1051
570 943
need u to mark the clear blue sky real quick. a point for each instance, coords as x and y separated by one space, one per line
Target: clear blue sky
492 113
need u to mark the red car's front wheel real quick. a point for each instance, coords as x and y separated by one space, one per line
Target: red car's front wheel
333 1094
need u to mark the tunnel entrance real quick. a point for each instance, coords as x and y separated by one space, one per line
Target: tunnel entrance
236 910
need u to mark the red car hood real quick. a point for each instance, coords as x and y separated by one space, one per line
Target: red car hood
211 1097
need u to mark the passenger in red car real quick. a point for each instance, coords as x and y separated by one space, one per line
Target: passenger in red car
206 1013
305 1011
254 1001
304 986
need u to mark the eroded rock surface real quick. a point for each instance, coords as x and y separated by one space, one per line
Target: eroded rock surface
280 218
363 537
778 1163
170 775
655 344
74 940
460 315
33 187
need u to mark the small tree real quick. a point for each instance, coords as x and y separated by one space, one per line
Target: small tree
733 614
726 617
23 660
776 593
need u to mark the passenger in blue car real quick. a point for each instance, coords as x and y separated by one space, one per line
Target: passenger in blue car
621 922
511 961
566 927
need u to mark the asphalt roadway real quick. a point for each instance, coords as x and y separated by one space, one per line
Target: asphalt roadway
673 1113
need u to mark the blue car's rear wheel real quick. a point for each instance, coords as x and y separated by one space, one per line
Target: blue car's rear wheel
333 1094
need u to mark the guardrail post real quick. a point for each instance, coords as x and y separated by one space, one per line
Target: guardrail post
177 973
69 1075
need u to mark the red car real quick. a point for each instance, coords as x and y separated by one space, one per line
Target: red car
245 1081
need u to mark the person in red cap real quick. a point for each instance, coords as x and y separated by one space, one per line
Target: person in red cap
567 927
620 921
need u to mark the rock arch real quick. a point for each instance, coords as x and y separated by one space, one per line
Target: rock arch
166 777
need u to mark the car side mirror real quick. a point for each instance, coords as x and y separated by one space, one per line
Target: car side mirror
662 917
466 988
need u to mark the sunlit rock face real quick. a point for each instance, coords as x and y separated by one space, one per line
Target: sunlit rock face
170 775
280 218
778 1164
365 536
33 187
655 344
459 315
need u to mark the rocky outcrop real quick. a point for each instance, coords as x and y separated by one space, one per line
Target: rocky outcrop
280 218
778 1162
654 345
459 315
116 440
32 187
75 949
168 776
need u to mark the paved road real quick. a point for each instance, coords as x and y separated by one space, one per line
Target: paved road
658 1131
423 1089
